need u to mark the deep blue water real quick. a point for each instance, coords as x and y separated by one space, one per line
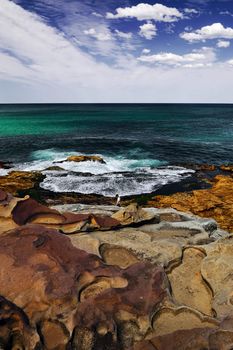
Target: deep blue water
133 138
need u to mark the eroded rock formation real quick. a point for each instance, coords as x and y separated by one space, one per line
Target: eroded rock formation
216 202
127 279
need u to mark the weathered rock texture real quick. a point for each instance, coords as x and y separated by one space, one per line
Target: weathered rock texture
127 279
62 291
216 202
17 181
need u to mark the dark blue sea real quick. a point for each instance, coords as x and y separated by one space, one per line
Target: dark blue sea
145 146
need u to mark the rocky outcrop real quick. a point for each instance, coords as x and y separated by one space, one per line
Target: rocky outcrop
83 158
65 295
216 202
118 279
133 214
18 181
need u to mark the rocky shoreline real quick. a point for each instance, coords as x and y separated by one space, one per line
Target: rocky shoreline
94 276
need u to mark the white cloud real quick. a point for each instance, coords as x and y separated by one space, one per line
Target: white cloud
191 11
96 14
196 58
146 51
230 62
228 13
97 35
123 35
148 30
223 44
214 31
39 64
142 11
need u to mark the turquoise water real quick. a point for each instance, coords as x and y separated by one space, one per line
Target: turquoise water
135 140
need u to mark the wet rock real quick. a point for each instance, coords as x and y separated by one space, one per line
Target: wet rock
5 165
82 158
54 168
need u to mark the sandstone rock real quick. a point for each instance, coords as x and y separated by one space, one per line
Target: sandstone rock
169 320
7 205
61 288
119 307
15 329
139 244
217 269
134 215
119 256
54 335
187 285
78 159
17 181
29 211
194 339
216 202
85 242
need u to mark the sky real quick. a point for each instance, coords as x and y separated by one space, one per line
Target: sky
95 51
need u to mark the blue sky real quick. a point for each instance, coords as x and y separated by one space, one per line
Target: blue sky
116 51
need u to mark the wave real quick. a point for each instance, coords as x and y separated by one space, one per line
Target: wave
129 175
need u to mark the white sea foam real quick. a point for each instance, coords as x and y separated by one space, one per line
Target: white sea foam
120 175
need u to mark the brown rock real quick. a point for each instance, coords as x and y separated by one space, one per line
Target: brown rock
227 168
17 181
29 211
15 329
51 281
216 202
133 214
7 205
78 159
54 335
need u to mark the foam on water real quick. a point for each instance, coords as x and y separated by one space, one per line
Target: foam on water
130 183
122 175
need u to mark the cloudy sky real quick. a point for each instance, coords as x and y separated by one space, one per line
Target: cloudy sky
116 51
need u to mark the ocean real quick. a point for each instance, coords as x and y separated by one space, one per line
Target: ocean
145 146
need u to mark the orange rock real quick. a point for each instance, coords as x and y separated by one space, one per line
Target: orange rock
216 202
79 159
16 181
